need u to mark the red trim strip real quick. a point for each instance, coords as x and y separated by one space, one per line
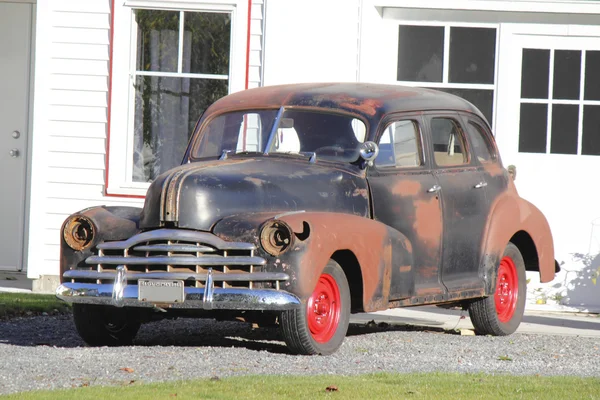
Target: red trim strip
248 43
109 107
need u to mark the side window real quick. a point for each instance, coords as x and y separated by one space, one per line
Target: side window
399 145
482 148
448 142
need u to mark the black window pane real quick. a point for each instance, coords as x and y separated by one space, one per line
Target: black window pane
206 43
567 74
472 55
590 141
480 98
532 128
420 53
565 125
592 75
166 110
157 40
535 70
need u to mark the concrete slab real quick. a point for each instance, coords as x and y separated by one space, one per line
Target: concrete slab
534 322
10 281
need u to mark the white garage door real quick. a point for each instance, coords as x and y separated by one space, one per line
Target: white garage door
548 125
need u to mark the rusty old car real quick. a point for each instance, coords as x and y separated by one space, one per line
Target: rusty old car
297 205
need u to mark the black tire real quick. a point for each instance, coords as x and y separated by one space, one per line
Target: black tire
105 325
319 332
501 314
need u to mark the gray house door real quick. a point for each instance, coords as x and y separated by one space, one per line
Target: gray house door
15 62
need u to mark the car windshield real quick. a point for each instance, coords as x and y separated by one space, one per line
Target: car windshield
330 136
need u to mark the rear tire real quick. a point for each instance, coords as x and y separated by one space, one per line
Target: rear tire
105 325
501 314
320 326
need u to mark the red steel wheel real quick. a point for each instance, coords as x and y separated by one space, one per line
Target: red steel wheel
323 309
320 326
507 289
501 313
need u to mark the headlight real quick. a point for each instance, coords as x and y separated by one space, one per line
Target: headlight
276 237
78 232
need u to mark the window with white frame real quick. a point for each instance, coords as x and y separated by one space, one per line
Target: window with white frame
181 67
560 102
452 58
171 60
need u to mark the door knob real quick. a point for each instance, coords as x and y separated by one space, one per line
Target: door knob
434 189
14 153
16 134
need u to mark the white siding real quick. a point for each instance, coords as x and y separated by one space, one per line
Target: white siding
255 67
75 127
72 68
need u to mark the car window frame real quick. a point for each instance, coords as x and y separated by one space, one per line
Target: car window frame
421 144
486 133
457 119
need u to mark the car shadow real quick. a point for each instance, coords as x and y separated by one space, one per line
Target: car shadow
60 332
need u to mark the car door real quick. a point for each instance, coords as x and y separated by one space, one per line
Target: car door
464 202
484 148
405 197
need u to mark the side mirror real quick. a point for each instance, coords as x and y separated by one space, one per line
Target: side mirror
368 152
512 172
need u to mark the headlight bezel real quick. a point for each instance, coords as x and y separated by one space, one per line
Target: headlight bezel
276 237
79 232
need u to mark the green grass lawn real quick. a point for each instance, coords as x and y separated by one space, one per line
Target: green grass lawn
379 386
22 304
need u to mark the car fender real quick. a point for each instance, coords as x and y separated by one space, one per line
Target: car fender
511 214
383 254
109 223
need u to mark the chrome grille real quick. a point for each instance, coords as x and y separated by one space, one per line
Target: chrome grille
178 254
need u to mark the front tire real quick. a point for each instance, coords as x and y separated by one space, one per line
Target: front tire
105 325
501 314
320 326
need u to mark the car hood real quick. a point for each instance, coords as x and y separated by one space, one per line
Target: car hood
197 195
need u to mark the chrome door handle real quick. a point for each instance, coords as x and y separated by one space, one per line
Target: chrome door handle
481 185
14 153
434 189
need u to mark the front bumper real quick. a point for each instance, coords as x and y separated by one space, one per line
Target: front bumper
195 298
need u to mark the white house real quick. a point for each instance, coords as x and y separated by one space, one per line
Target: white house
92 91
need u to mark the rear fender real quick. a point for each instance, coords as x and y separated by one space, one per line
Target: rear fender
511 214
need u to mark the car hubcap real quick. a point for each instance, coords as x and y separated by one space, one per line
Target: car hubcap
507 290
323 309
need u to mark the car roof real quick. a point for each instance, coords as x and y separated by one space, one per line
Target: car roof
369 100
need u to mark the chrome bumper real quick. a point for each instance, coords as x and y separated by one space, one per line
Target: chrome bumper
195 298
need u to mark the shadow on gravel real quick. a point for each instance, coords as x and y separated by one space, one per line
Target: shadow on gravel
59 331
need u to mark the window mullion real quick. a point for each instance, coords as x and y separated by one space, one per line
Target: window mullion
446 64
581 98
180 50
550 95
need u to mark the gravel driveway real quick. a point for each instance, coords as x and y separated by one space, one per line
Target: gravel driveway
46 353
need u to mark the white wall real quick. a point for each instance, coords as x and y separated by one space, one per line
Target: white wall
70 118
311 41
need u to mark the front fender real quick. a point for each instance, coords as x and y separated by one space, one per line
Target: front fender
109 223
383 254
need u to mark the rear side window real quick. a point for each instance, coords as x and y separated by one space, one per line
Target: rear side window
399 145
482 148
448 142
